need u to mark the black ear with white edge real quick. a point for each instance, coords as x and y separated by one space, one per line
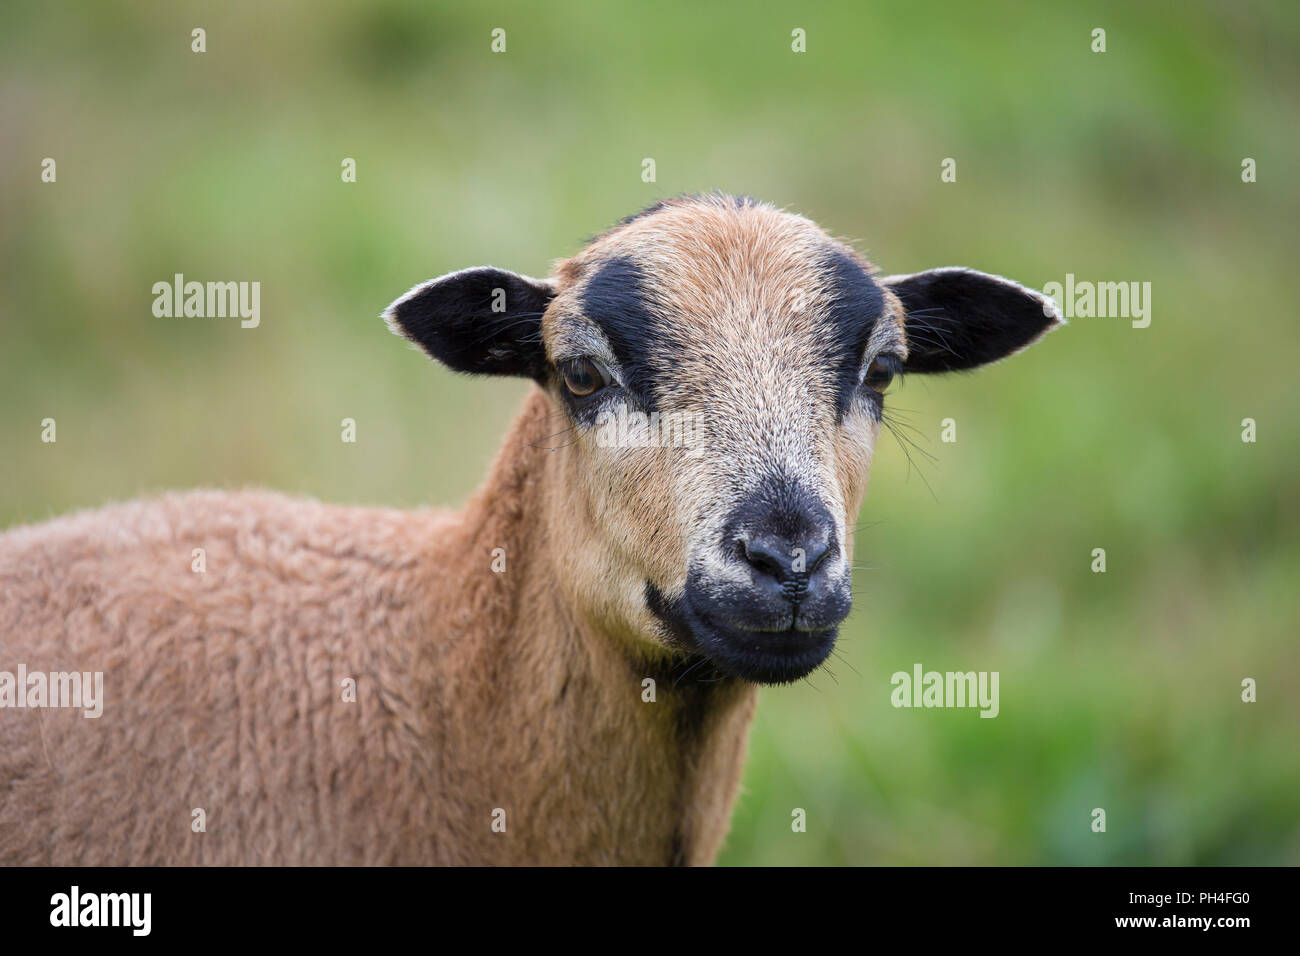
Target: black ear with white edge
484 321
959 319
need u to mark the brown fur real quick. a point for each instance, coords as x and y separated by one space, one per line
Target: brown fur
477 691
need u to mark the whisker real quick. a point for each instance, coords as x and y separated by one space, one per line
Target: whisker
845 661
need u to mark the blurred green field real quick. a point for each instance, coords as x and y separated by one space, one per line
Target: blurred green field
1118 690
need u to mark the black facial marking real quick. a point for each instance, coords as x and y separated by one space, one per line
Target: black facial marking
856 305
672 614
616 297
784 508
687 667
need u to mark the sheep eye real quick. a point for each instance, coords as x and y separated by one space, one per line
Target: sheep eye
881 372
583 376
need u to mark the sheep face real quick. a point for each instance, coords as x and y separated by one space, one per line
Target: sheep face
717 371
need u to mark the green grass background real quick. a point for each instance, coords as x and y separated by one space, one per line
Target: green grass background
1118 690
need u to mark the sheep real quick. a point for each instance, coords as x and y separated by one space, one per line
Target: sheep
562 673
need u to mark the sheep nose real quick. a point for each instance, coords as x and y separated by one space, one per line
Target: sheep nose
783 540
791 562
784 570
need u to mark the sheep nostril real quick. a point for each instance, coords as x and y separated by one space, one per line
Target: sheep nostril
764 558
815 560
791 565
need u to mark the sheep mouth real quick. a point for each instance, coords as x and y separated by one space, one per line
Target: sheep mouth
779 654
764 657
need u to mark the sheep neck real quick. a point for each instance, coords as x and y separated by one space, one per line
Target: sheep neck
561 698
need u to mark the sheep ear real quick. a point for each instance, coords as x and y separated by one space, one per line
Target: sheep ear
485 321
959 319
